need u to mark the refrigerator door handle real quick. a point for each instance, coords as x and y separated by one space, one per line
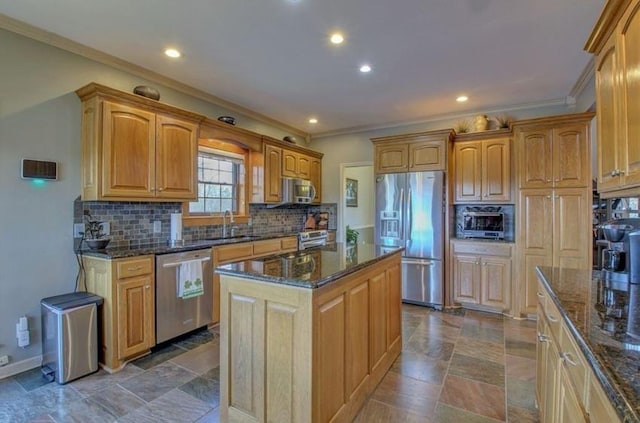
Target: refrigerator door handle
402 213
423 262
409 216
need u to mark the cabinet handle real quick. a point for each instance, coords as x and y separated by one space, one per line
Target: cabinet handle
540 294
566 357
552 319
133 269
548 196
620 172
548 180
159 189
484 264
147 287
543 338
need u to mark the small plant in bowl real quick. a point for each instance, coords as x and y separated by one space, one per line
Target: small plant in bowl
352 235
502 121
94 236
462 127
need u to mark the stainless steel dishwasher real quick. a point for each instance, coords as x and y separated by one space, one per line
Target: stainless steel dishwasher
176 315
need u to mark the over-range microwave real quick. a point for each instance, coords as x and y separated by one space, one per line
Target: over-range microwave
297 191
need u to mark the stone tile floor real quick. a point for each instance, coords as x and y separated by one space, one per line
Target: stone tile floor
455 367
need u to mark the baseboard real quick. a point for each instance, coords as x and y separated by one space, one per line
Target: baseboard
20 366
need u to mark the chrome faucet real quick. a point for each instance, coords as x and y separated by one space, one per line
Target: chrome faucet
224 222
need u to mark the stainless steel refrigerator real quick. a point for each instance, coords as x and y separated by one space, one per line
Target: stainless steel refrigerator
410 213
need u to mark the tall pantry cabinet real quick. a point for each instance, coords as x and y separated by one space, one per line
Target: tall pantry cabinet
553 219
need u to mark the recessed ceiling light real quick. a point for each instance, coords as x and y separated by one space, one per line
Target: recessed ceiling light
462 99
313 120
365 68
337 38
173 53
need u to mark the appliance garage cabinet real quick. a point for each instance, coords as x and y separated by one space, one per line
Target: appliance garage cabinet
127 321
412 152
482 163
134 148
481 274
553 218
614 41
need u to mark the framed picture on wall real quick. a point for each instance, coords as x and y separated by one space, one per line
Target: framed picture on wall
351 193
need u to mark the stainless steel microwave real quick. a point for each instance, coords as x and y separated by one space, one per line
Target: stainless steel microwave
297 191
483 224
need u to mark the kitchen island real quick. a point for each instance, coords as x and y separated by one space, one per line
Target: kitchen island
587 363
307 336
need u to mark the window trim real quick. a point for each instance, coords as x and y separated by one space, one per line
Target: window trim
242 216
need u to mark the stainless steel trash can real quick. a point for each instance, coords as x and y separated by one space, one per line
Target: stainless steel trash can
69 335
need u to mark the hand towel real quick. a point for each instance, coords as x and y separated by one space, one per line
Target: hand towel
190 279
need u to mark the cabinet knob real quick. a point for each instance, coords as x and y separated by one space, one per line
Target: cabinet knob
620 172
543 337
566 357
147 287
159 189
548 196
548 180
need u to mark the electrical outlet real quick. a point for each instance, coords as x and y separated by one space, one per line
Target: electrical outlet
78 228
157 226
4 360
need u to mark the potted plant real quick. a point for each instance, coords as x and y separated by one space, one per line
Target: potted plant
93 235
352 235
462 127
502 121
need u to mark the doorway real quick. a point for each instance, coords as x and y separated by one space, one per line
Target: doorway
356 206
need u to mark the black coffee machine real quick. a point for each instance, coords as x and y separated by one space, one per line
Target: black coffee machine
616 257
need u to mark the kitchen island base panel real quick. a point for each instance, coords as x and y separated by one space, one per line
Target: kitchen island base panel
294 354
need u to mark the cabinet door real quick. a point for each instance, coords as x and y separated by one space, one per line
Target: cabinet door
425 156
466 279
496 282
468 158
535 158
289 164
176 158
394 300
569 409
541 359
392 158
548 414
572 228
304 166
128 151
535 240
316 179
135 304
272 174
378 309
571 168
496 170
608 110
629 41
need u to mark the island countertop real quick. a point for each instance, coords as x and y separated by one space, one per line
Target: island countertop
597 317
310 268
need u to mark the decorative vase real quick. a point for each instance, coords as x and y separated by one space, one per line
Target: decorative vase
481 123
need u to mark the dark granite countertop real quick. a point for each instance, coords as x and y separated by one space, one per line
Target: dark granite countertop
597 316
310 268
114 253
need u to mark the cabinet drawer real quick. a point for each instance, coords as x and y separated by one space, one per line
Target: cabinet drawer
266 247
553 317
541 295
234 252
134 267
481 248
290 243
575 364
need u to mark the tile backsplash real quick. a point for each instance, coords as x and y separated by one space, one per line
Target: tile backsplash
131 223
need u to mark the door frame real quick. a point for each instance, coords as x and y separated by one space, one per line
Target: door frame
341 236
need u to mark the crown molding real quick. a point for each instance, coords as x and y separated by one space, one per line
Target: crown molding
564 101
55 40
584 79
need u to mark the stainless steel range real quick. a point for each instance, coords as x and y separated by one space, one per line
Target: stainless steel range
312 238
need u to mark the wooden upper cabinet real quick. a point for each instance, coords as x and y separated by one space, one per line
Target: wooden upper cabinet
176 158
315 175
128 151
136 149
468 171
554 152
392 158
304 166
482 170
272 174
424 151
615 41
289 164
425 156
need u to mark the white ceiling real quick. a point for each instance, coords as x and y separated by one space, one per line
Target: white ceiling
274 57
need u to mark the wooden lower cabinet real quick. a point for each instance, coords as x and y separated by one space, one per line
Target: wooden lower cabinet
244 251
290 354
127 319
482 275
